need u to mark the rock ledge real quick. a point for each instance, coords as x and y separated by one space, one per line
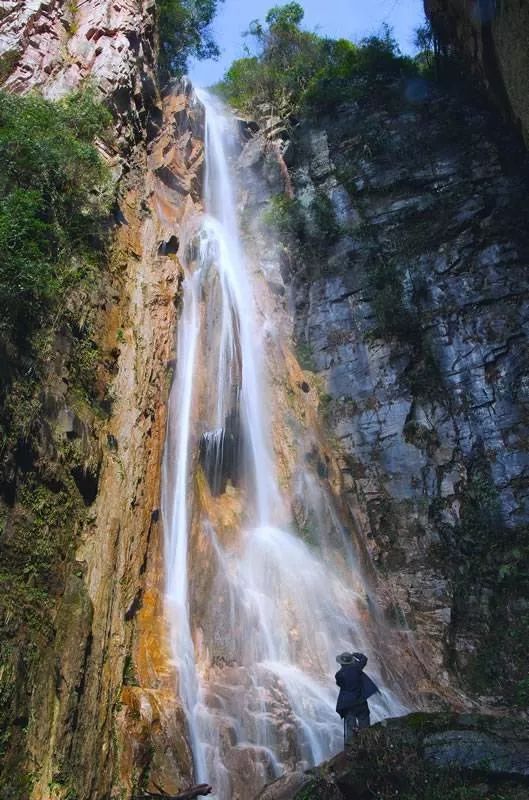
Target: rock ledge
425 756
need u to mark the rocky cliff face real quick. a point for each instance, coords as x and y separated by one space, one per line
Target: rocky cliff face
405 259
405 246
55 45
492 38
89 707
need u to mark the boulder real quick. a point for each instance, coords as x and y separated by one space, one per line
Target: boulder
418 756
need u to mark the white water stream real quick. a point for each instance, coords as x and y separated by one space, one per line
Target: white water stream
257 615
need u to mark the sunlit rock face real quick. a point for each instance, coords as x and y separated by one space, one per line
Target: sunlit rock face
411 301
99 714
54 46
105 715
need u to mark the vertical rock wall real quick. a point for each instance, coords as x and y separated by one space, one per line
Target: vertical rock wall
96 711
56 45
407 253
492 37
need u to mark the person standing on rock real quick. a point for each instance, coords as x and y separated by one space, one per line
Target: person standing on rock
355 689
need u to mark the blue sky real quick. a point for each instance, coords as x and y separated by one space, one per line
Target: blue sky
351 19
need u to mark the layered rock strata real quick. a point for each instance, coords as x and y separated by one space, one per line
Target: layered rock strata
55 46
93 707
405 247
104 711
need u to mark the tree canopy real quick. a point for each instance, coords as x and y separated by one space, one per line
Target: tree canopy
296 69
185 31
290 14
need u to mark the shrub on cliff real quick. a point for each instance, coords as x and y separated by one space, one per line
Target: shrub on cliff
308 231
54 191
351 72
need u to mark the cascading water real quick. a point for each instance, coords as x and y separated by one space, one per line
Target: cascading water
256 614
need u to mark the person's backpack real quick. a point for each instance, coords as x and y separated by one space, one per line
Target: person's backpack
369 687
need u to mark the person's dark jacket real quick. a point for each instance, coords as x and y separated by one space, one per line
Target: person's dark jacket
355 686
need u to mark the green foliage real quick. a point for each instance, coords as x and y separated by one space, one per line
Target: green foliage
305 356
393 315
522 693
312 791
285 16
244 80
86 117
72 9
296 70
353 72
437 59
284 214
480 512
185 30
86 357
332 83
129 673
55 194
288 58
37 539
499 667
425 45
493 564
308 229
8 61
42 534
397 315
54 209
423 377
421 436
515 566
324 223
39 522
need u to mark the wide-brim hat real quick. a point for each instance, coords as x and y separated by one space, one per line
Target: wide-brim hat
345 658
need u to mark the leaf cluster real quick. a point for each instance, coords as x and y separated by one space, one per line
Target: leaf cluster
481 518
309 230
495 558
185 31
55 196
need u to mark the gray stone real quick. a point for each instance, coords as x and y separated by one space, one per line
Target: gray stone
477 750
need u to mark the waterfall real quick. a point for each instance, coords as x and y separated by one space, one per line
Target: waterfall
256 613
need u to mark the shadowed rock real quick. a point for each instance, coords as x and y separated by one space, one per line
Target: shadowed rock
418 755
220 454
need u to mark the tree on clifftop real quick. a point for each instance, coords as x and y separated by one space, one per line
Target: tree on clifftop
297 70
184 30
